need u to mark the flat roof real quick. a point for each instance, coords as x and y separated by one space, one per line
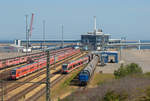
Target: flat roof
114 39
99 52
95 34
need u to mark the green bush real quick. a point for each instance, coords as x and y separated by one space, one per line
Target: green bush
113 96
127 70
145 97
147 74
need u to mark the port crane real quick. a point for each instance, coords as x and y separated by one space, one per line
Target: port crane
30 29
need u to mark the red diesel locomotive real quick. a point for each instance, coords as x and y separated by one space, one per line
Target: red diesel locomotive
18 72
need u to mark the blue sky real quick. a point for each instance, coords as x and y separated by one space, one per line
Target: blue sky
129 18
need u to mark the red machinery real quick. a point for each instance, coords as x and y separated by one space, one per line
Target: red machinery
30 30
18 72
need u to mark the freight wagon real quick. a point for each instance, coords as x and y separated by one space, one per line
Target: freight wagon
87 72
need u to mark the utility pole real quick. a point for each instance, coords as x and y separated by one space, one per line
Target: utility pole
55 58
121 49
2 89
94 33
26 33
43 34
47 76
62 35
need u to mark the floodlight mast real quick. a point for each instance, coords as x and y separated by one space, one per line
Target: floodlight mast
62 35
43 35
30 29
26 33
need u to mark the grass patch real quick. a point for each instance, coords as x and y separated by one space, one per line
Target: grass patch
98 79
147 74
63 87
129 88
68 80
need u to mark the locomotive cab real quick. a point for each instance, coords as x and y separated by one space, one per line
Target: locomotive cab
64 68
84 77
13 74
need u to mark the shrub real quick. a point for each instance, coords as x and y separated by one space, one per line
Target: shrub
127 70
147 74
129 88
113 96
146 97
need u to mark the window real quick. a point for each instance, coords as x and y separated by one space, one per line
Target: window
4 62
69 67
79 63
65 66
13 72
32 67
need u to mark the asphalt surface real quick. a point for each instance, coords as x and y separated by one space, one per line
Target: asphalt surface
141 57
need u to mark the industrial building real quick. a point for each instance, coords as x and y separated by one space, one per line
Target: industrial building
95 40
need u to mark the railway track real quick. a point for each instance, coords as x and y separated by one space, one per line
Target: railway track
29 88
34 75
32 55
42 90
5 72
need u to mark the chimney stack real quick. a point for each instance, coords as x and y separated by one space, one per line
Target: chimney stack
94 24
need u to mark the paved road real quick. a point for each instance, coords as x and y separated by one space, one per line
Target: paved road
141 57
109 68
